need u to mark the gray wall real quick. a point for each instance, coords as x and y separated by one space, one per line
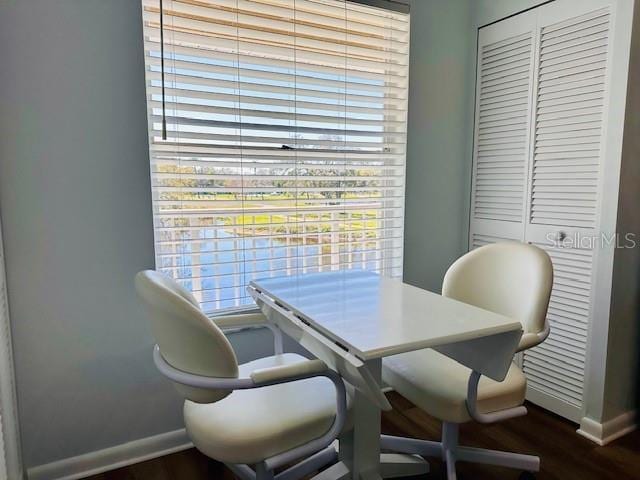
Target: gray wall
76 211
487 11
441 78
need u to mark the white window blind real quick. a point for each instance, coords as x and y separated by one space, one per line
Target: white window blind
285 140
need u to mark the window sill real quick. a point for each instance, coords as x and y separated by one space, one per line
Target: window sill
236 311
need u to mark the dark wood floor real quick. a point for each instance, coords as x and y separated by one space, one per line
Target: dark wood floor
565 455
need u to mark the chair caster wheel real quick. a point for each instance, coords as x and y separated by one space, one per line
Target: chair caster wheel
527 476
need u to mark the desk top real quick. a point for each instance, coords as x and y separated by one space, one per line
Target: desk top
374 316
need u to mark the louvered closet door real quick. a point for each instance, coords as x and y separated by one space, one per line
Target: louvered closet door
564 191
502 129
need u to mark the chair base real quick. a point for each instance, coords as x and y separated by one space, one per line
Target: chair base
451 452
327 456
392 465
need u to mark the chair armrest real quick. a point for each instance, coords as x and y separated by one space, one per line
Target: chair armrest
270 376
258 378
294 371
491 417
300 371
198 381
529 340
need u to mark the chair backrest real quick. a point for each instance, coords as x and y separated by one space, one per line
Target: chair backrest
510 278
187 338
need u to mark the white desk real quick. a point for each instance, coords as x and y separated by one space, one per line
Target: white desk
351 319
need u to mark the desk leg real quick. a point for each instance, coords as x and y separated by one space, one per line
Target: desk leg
360 448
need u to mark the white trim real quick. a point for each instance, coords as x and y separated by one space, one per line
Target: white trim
93 463
604 433
10 454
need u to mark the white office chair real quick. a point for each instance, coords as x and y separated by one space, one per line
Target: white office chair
510 278
267 413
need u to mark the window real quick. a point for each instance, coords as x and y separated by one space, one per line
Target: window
284 145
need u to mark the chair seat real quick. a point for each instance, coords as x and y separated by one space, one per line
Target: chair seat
438 385
249 426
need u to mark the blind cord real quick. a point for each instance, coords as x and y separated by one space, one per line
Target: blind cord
300 237
164 116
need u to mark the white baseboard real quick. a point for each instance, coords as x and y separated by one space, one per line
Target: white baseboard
111 458
603 433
